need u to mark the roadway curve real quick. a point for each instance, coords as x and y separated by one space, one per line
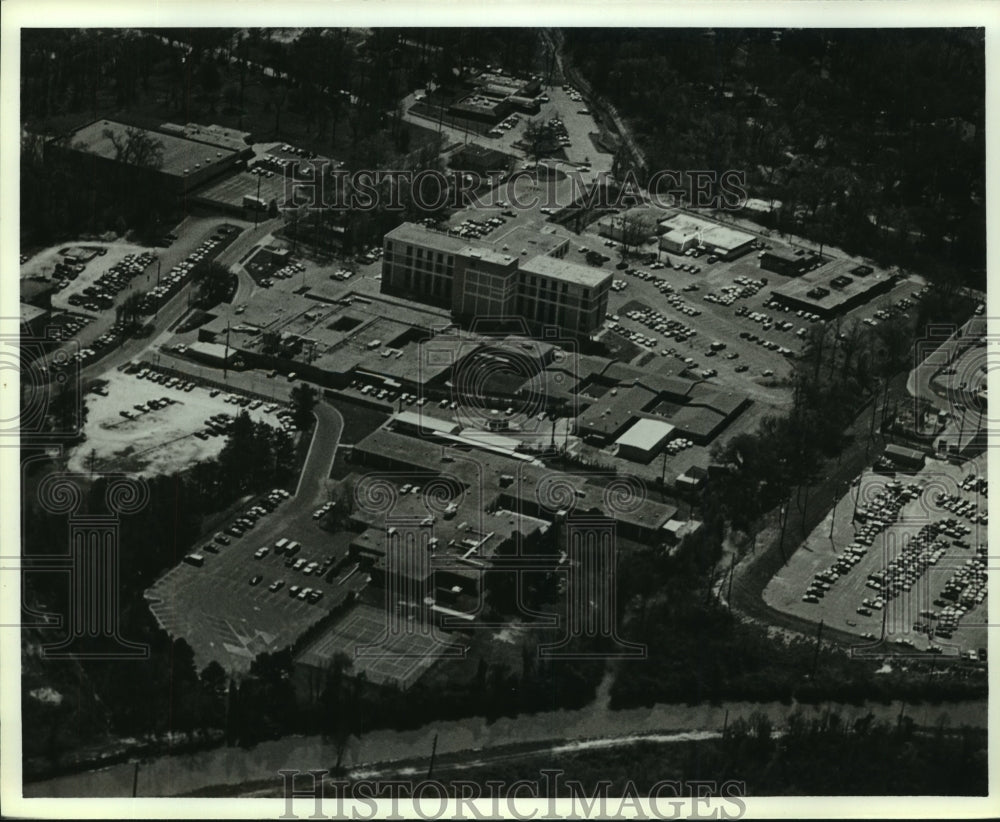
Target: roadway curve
965 423
319 460
177 305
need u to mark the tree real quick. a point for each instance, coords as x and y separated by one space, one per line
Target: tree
210 81
303 398
636 229
214 282
341 706
539 137
136 147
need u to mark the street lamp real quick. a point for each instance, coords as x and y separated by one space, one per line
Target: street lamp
256 205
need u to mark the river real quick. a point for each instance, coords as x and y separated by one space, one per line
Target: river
174 775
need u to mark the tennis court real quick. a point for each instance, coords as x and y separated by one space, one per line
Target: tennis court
399 657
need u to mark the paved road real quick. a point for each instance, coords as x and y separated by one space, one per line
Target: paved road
966 421
222 617
175 308
312 481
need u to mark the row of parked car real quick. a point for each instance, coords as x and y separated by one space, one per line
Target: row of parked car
506 124
372 255
877 515
904 571
474 229
975 484
290 550
69 325
962 507
173 280
240 526
67 270
743 288
146 407
248 519
967 586
287 271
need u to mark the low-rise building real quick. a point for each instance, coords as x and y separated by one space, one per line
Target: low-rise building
786 262
834 289
683 231
644 439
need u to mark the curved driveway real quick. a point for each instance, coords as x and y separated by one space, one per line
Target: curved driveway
319 460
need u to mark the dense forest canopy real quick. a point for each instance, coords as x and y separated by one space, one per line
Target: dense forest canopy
873 140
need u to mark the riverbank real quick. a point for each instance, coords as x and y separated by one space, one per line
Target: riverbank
196 772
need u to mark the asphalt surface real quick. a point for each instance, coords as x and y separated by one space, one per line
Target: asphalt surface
966 421
178 305
215 608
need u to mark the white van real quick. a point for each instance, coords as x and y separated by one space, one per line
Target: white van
280 545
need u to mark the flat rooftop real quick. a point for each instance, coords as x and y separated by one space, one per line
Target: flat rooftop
488 255
698 420
646 434
609 413
720 235
216 351
501 81
231 190
522 238
726 403
215 135
179 153
538 486
566 271
29 313
425 422
799 288
417 234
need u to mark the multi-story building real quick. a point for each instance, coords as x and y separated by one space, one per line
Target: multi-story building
557 292
477 281
420 264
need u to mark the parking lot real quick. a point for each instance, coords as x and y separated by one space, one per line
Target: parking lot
123 432
914 560
264 594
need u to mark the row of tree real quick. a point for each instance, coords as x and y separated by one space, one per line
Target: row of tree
822 755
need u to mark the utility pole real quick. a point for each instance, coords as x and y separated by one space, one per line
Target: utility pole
729 591
256 205
135 779
833 514
225 361
819 636
434 747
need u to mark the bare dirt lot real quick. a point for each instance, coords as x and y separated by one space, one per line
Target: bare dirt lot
154 442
